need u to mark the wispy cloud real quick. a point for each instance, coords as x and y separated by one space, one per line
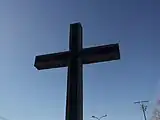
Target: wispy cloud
3 118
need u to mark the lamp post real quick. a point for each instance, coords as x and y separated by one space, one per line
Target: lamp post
99 117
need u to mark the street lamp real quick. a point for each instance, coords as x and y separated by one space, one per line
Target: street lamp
99 117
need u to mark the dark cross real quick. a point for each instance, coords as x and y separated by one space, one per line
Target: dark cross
74 59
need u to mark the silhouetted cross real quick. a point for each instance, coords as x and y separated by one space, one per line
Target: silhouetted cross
74 59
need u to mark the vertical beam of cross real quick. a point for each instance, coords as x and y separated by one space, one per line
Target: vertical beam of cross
74 104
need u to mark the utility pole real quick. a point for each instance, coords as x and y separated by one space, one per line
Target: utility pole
143 107
99 117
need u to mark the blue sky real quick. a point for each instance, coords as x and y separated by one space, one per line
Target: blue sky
34 27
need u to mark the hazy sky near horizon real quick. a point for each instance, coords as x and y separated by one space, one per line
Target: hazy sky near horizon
34 27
